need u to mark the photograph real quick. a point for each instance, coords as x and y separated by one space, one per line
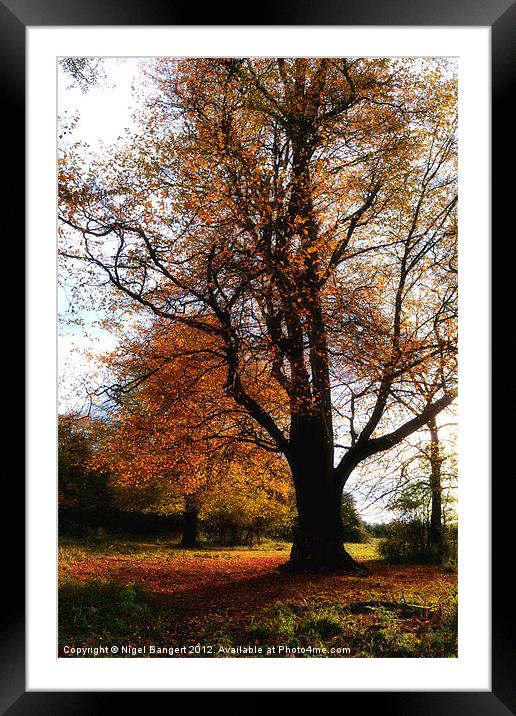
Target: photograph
258 404
259 364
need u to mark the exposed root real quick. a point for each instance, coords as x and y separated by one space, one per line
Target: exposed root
314 553
344 566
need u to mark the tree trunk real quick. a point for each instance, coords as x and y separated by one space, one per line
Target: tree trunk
436 526
318 545
190 526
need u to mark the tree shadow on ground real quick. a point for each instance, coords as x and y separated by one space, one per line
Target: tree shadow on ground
144 603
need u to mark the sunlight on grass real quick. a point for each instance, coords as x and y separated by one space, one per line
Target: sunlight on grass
71 548
364 551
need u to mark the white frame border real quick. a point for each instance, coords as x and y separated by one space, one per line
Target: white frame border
471 670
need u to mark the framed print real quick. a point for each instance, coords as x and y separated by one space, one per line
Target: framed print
234 227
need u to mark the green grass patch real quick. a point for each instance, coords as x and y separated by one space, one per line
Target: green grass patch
71 548
365 551
103 612
332 631
76 547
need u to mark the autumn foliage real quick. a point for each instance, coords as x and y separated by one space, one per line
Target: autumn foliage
290 224
172 445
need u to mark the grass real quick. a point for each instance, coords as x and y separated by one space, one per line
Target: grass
103 611
335 631
159 546
139 594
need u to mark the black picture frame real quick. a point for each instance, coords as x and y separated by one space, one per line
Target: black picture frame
500 16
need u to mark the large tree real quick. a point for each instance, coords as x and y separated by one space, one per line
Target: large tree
301 213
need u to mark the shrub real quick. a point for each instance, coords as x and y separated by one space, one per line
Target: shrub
408 541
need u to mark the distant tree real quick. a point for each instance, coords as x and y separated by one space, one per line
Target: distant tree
174 445
377 529
246 508
354 529
425 526
81 486
435 459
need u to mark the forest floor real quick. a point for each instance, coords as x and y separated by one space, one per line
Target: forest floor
144 599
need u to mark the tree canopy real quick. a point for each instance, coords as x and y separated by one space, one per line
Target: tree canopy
299 217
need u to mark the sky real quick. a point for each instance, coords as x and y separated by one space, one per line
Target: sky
104 112
104 109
